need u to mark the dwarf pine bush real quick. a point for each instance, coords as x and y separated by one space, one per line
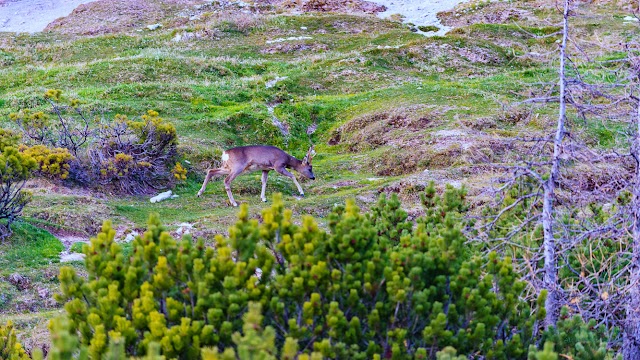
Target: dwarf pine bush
373 286
15 169
10 348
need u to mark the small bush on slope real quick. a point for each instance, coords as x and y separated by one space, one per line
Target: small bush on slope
124 155
15 169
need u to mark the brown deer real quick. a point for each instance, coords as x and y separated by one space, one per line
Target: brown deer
259 157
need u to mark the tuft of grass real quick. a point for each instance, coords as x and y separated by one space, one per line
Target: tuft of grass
428 28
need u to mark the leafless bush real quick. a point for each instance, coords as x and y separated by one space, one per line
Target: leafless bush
133 156
126 156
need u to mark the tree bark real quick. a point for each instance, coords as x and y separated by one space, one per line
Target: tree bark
550 280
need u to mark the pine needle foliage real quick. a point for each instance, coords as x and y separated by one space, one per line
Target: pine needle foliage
373 286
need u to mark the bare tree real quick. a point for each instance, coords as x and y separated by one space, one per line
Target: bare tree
536 175
550 282
631 337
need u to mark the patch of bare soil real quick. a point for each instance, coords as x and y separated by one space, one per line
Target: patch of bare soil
33 15
109 16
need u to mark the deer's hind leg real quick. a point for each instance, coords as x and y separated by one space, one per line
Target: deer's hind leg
211 173
265 174
227 185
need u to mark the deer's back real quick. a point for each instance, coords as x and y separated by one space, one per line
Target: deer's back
254 157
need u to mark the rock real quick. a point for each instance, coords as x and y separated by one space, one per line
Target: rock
130 237
72 257
154 26
163 196
291 38
271 83
184 228
630 18
43 293
20 281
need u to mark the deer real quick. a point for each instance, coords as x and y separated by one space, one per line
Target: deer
252 158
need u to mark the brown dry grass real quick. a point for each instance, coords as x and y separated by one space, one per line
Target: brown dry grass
398 126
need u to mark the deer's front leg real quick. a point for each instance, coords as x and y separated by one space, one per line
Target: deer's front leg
284 172
265 174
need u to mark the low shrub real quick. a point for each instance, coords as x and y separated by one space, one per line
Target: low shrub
123 155
374 286
15 169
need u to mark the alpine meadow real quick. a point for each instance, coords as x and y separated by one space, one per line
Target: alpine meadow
462 188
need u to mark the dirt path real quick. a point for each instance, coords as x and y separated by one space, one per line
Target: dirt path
419 12
33 15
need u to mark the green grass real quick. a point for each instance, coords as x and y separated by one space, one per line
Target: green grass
28 248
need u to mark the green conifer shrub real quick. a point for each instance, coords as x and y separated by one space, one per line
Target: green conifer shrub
15 169
10 348
573 338
373 286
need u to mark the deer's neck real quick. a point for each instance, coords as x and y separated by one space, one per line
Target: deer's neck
293 163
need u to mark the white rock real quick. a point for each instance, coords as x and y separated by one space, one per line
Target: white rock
162 196
630 18
271 83
184 228
303 28
291 38
72 257
130 236
154 26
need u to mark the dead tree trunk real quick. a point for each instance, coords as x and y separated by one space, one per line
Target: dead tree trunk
631 339
550 281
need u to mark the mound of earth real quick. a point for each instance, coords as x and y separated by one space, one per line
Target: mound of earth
112 16
109 16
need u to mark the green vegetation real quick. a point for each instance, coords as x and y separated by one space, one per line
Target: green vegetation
10 348
373 286
381 104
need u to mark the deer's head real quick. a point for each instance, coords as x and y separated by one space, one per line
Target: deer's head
306 169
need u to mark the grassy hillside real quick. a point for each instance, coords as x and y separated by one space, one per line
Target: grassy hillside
393 109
